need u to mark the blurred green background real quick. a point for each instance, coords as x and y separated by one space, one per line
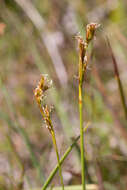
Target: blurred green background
38 36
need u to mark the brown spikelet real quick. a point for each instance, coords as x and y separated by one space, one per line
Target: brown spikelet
39 93
90 30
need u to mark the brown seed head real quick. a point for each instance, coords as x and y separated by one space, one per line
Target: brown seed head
46 117
43 85
90 30
81 45
39 93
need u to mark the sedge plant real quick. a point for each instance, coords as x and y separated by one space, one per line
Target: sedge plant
39 93
83 45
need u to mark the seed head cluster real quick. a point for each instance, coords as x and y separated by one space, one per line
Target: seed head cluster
83 45
43 85
39 93
90 30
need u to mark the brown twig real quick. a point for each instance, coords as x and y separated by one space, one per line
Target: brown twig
108 104
117 76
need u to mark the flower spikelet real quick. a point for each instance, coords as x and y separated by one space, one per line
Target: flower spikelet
43 85
39 93
90 30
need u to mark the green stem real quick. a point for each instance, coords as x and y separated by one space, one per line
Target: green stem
82 52
58 159
61 161
81 137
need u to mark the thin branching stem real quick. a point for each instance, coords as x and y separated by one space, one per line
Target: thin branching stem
48 181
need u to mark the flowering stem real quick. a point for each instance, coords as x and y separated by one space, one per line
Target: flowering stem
81 137
81 121
62 159
51 130
39 92
83 45
58 159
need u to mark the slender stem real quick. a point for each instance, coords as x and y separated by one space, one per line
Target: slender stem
120 86
39 91
82 52
55 144
62 160
83 45
58 159
122 96
81 137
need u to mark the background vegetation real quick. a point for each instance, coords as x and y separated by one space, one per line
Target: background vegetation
39 37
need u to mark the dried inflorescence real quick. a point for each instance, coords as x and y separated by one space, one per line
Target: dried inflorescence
43 85
39 93
90 30
83 45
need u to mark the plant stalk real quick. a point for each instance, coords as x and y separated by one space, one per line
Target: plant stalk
51 130
83 45
62 160
58 159
39 93
81 135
